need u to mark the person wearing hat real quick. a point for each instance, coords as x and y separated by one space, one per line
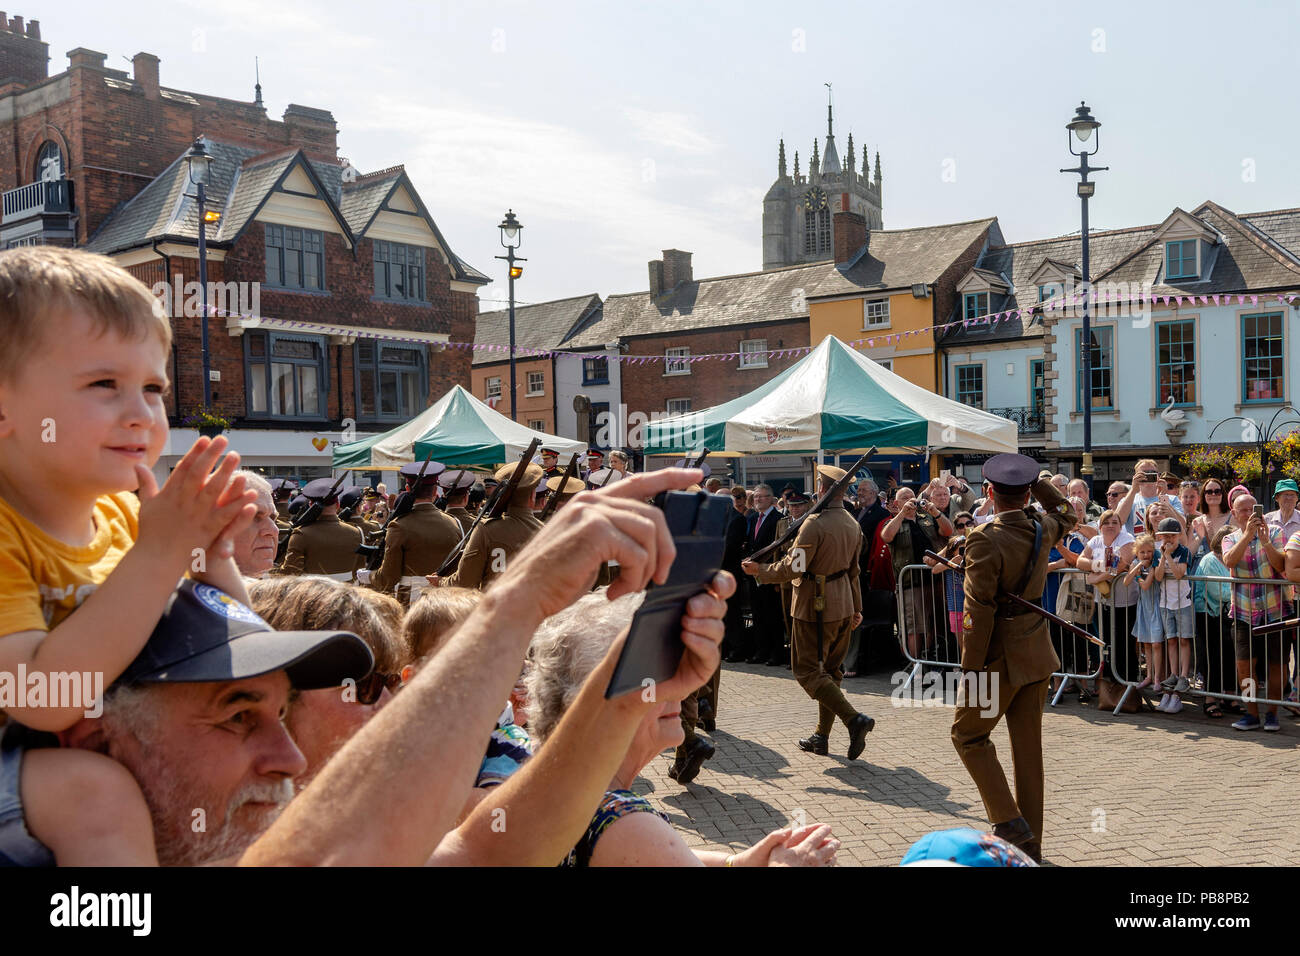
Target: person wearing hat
419 541
350 513
827 606
456 485
1006 650
595 461
565 488
282 489
326 545
489 549
1286 493
550 464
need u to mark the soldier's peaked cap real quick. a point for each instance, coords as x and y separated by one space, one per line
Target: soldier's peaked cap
798 498
457 479
412 471
831 472
319 489
529 479
1011 474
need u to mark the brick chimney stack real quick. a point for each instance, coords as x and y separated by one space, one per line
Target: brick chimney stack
144 68
23 56
656 278
677 268
850 235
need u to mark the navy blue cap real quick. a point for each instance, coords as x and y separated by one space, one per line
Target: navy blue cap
205 635
319 490
412 471
1011 473
297 505
350 498
282 486
457 479
797 498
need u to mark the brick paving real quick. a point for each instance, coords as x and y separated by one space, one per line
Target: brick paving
1148 788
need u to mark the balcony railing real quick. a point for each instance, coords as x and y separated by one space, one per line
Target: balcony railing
35 199
1029 420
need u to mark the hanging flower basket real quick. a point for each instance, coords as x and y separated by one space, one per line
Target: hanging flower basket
207 422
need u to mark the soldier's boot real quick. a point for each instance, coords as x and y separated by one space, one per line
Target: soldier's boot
815 744
1017 833
859 727
690 757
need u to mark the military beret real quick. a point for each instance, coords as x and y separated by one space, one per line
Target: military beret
457 479
603 476
319 490
565 486
831 472
1010 473
412 471
529 479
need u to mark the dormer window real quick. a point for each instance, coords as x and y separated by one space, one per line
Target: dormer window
1180 259
1050 290
975 305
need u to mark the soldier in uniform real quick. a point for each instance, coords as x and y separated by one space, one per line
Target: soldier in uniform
798 503
325 546
827 606
349 513
595 462
282 489
494 541
1007 647
550 462
566 489
456 485
602 477
417 542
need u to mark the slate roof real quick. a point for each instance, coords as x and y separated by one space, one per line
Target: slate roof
241 179
712 303
900 258
545 325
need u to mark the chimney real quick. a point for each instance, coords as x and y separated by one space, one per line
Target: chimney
656 278
145 70
677 268
23 57
81 57
850 235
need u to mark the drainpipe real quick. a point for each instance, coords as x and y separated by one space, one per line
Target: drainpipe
167 278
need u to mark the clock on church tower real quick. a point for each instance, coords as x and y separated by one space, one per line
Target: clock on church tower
815 199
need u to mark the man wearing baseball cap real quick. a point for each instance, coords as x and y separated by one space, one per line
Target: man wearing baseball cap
196 720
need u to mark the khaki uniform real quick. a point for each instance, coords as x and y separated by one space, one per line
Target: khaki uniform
493 543
829 543
462 515
326 546
416 544
367 528
1011 645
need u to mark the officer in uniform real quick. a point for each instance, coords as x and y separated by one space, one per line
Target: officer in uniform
550 462
826 607
419 541
456 485
798 503
595 462
349 503
325 546
565 488
494 541
1007 655
602 477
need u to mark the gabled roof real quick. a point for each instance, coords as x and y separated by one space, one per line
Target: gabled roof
546 325
738 300
241 181
900 258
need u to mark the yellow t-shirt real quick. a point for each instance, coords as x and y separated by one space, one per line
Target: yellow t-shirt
43 580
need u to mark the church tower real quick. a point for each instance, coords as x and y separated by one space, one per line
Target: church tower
799 210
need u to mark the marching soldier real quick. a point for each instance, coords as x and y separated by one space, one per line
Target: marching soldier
565 489
826 607
494 541
326 545
419 541
1006 653
456 485
349 513
798 503
282 489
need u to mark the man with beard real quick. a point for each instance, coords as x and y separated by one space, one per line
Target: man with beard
197 721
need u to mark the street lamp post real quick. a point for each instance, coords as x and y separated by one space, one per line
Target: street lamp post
1080 130
510 239
200 171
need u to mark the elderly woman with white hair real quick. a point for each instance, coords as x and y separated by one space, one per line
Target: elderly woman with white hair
627 830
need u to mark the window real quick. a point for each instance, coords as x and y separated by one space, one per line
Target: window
679 406
1050 290
595 370
1180 259
1102 391
28 241
492 389
809 232
285 375
816 231
599 426
676 361
753 353
970 385
1037 388
537 424
824 230
875 314
886 364
536 383
399 272
975 304
390 381
295 258
49 163
1262 376
1176 363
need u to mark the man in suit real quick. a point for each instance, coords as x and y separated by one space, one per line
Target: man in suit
877 624
827 606
736 643
764 599
1007 655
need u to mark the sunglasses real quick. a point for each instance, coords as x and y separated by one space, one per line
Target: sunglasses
963 524
1113 494
1214 491
1190 484
371 687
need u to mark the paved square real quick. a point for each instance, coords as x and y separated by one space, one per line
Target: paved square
1149 788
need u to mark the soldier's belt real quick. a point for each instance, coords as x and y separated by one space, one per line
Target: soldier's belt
339 576
414 581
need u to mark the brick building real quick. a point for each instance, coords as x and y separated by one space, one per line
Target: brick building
333 290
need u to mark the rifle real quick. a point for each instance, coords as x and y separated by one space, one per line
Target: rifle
554 501
699 461
493 508
405 502
1036 608
314 509
838 488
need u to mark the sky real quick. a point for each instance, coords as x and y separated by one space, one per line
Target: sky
617 130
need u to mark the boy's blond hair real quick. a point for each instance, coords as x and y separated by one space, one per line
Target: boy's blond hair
1142 541
38 281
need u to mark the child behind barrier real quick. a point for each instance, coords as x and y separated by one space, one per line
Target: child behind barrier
1175 613
1146 627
